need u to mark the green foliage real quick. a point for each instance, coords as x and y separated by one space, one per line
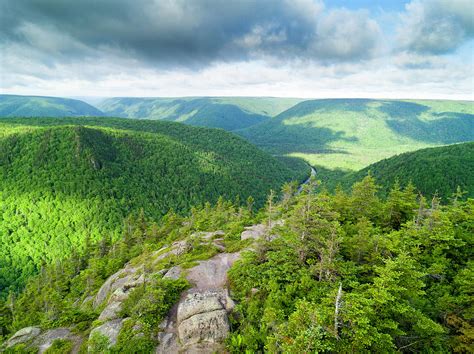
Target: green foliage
37 106
61 294
98 343
434 171
60 346
356 273
150 303
132 339
68 182
20 349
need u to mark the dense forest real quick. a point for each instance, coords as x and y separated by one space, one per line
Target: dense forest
343 272
67 182
435 171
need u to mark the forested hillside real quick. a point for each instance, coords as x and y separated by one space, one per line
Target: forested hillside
65 183
317 272
229 113
38 106
434 171
353 133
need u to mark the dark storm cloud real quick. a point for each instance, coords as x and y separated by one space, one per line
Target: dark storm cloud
189 33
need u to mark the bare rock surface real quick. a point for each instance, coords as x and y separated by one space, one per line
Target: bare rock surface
199 322
208 235
110 329
259 231
173 273
46 339
208 327
212 273
23 335
124 277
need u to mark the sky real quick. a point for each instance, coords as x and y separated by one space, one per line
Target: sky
284 48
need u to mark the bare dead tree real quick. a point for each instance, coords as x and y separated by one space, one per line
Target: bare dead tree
336 310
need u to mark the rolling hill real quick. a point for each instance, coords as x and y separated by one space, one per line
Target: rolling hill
353 133
229 113
39 106
438 170
66 182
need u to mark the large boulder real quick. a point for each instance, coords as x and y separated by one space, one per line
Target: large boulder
124 277
202 317
110 330
24 335
173 273
208 327
168 343
259 231
46 339
212 273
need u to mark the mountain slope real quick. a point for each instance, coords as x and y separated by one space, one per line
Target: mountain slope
353 133
38 106
314 272
66 182
229 113
433 171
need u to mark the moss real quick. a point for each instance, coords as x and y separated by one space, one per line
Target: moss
60 346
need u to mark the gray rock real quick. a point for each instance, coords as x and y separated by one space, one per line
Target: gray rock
211 327
259 231
122 277
23 335
212 273
208 235
254 232
111 311
202 317
205 348
180 247
46 339
110 329
199 302
168 343
173 273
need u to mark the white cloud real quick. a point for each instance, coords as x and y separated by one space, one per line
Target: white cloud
436 26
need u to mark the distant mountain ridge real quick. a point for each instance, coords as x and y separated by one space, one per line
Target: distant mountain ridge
229 113
347 134
43 106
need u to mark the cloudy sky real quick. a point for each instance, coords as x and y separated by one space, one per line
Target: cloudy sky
293 48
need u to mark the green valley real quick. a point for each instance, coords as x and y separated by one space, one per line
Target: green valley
353 133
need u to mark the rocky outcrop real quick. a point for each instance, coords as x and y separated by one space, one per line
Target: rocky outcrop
260 231
33 337
124 277
24 335
199 323
110 330
202 317
173 273
46 339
